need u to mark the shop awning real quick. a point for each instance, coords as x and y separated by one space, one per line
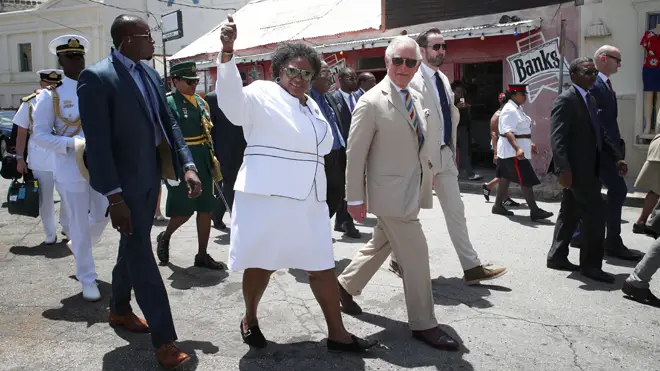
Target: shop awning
264 24
491 30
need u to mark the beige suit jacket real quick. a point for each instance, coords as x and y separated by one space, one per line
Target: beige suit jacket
435 126
383 143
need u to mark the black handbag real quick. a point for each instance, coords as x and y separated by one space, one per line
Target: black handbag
8 170
23 198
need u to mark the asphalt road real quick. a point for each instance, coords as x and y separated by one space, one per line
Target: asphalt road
531 319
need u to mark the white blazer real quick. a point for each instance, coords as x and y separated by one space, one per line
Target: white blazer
286 141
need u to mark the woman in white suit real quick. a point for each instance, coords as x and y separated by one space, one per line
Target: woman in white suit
281 183
514 151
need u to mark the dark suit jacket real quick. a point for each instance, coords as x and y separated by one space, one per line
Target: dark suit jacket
119 131
344 112
228 139
607 110
358 93
573 139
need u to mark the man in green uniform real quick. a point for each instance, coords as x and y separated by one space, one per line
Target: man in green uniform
192 114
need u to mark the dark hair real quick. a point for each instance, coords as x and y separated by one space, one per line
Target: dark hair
457 84
507 97
118 27
423 38
288 51
345 72
364 76
577 63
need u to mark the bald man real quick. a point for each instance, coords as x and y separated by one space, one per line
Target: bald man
608 60
366 81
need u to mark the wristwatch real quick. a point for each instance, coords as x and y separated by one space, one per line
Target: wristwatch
18 156
190 167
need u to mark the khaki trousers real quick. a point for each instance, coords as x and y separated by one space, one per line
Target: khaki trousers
405 239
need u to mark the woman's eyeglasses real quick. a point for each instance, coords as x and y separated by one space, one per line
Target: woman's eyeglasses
410 63
293 72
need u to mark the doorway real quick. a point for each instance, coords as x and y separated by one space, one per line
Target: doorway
484 83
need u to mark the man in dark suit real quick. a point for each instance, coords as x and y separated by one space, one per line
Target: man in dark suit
578 142
229 144
366 81
344 102
133 139
607 60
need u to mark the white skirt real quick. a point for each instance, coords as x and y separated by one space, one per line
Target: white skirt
272 233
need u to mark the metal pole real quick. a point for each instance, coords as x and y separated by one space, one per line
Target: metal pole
167 86
562 40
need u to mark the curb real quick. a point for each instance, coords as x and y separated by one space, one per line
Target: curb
547 193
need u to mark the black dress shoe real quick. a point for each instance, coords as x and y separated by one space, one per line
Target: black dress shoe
640 295
510 203
501 210
350 230
348 305
622 252
356 346
206 261
540 214
253 336
437 338
163 248
486 191
597 275
576 242
340 228
562 265
396 268
219 225
640 228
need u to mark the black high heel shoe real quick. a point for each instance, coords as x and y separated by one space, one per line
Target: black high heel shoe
356 346
253 336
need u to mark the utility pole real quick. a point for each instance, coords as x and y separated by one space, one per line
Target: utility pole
167 86
562 41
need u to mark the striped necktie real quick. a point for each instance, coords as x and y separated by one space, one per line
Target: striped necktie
413 115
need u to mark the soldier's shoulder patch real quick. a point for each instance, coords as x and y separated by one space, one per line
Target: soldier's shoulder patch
29 97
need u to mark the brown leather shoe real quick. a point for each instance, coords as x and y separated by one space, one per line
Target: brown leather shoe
130 321
437 338
171 357
475 275
348 305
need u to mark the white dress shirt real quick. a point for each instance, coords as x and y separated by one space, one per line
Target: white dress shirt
38 159
430 74
514 120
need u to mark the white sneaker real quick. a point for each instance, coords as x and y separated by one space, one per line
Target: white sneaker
90 292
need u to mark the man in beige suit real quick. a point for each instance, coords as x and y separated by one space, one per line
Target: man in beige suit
387 139
442 121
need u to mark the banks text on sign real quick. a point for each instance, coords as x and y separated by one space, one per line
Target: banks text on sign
538 63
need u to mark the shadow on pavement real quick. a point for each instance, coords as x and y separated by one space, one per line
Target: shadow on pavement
397 345
369 222
140 355
453 291
222 239
592 285
302 277
187 278
523 219
77 309
364 238
56 251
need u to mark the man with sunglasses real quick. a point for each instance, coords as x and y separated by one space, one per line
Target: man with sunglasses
58 128
608 60
443 118
193 116
388 139
579 142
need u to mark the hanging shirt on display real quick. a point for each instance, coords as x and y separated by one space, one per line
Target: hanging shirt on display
651 70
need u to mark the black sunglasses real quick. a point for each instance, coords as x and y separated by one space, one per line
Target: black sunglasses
293 72
147 35
618 60
590 72
410 63
437 47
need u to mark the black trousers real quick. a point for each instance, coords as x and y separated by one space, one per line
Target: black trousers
335 172
228 181
586 203
136 269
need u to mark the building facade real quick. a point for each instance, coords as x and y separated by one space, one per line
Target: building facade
25 34
623 23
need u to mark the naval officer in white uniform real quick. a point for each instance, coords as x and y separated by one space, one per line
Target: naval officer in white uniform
39 160
57 127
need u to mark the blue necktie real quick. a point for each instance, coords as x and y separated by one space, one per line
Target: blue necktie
594 120
150 99
351 105
446 112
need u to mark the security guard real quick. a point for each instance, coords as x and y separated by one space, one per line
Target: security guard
57 128
193 116
39 160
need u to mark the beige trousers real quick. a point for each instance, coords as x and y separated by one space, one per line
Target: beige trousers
405 239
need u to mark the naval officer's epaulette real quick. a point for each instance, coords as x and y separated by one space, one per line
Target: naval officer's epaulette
29 97
54 86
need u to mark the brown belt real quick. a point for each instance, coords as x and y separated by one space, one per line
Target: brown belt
519 136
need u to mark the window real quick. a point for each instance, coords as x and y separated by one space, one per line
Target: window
654 19
25 57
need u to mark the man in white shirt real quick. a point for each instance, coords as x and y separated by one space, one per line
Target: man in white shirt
39 159
442 120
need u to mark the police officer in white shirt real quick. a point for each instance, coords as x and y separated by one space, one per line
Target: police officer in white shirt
39 160
57 127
